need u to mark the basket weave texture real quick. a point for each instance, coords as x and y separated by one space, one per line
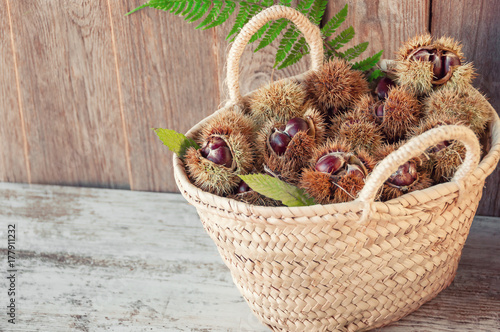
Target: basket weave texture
350 266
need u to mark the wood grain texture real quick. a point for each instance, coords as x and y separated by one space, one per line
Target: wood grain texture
168 79
385 24
475 24
13 165
69 93
97 259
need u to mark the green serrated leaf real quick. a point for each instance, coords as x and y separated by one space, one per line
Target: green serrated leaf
368 63
278 190
342 38
377 73
175 142
272 33
333 24
354 51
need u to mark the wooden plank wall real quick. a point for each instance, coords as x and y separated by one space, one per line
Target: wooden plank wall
81 84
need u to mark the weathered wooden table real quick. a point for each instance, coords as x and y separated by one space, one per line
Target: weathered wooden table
112 260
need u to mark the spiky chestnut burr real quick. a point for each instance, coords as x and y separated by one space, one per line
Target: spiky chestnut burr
226 150
409 177
336 174
468 105
227 122
286 148
400 111
335 87
357 129
279 102
443 159
366 106
424 64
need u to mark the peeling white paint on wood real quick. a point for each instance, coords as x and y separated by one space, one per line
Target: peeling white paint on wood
112 260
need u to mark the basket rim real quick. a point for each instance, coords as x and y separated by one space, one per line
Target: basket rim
348 210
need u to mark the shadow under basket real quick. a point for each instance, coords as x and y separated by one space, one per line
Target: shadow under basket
349 266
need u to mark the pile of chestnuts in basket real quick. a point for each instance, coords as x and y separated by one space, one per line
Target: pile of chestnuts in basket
326 132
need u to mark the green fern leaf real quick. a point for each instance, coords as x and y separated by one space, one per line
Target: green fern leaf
188 8
375 74
299 50
163 5
304 6
291 59
317 11
179 7
212 15
251 9
166 7
368 63
273 32
137 9
224 14
286 44
259 33
333 24
286 3
203 10
342 38
354 52
241 18
254 9
194 11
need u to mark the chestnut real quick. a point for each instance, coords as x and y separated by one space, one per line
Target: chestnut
440 146
330 163
243 187
383 87
217 151
449 60
295 125
278 141
442 62
405 175
380 111
355 171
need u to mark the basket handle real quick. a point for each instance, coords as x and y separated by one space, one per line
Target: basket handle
413 148
311 33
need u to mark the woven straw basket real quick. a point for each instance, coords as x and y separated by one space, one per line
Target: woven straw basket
350 266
